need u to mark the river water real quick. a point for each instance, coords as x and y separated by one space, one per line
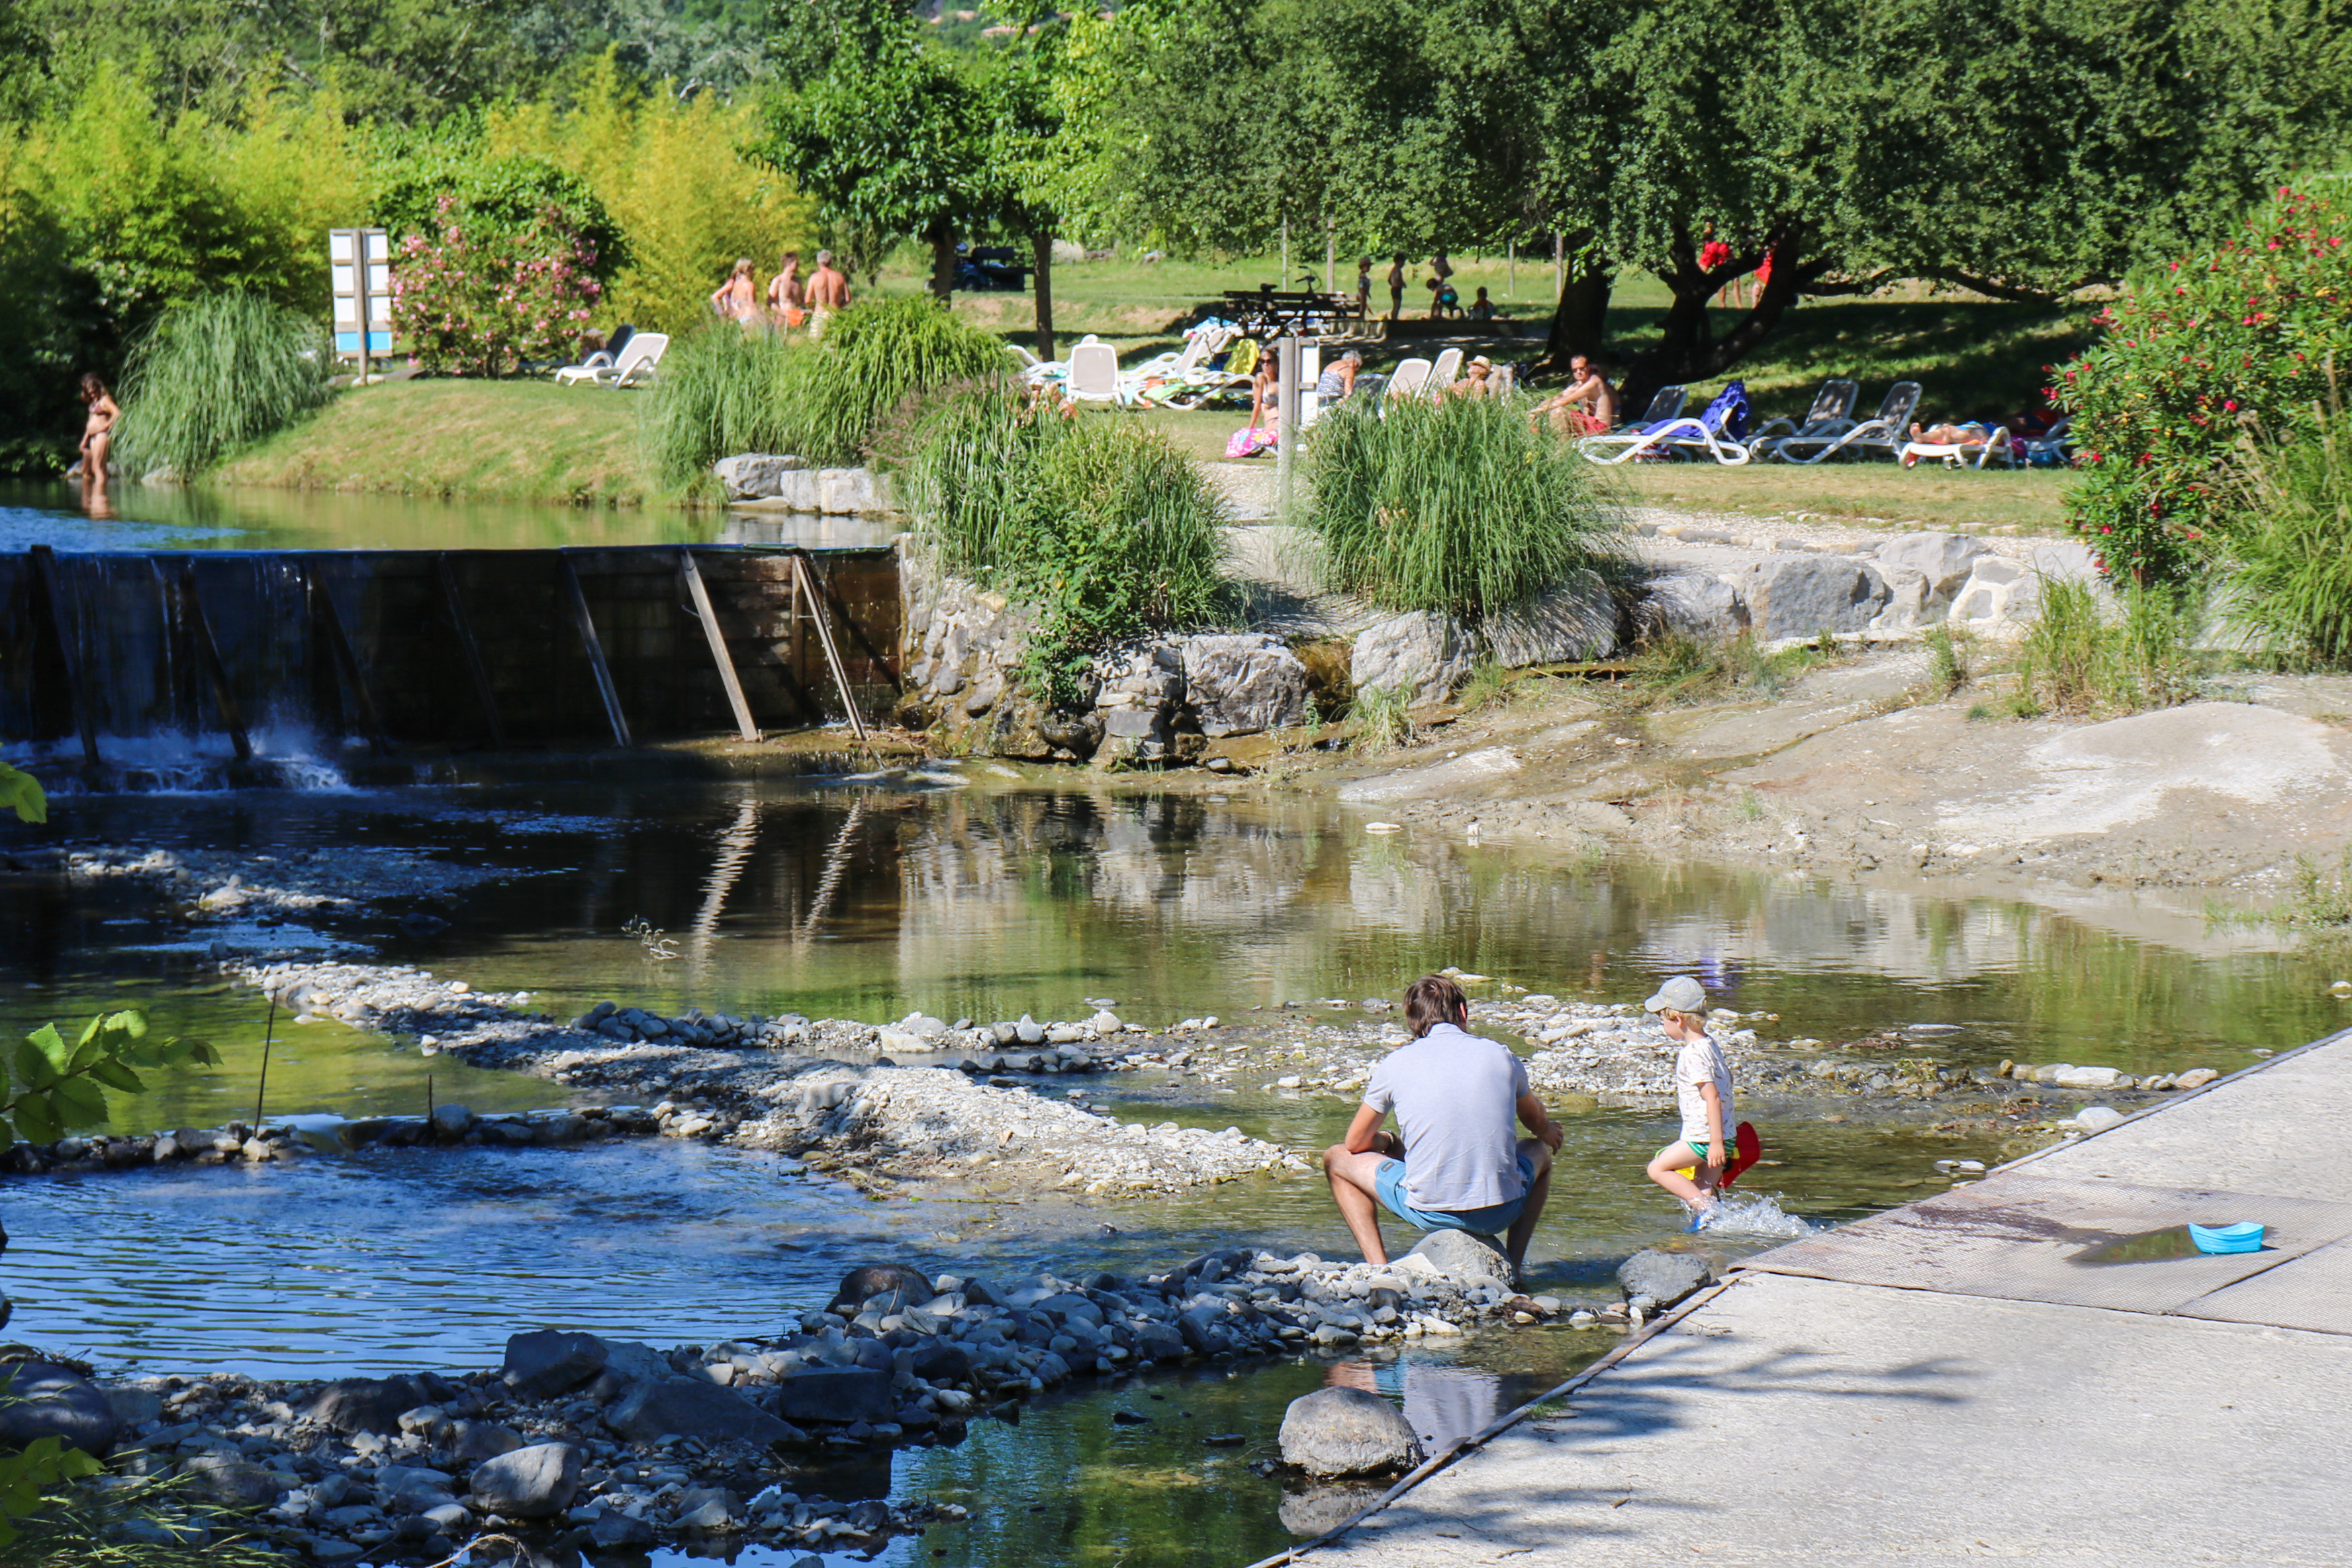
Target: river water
981 891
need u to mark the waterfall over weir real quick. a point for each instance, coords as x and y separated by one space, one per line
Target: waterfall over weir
156 670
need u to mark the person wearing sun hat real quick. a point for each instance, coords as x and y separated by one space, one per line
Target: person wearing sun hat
1703 1091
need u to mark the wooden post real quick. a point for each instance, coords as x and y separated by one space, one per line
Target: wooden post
606 690
824 636
193 605
717 638
329 620
45 568
472 650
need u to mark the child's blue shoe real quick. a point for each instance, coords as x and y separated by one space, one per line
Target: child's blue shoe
1703 1220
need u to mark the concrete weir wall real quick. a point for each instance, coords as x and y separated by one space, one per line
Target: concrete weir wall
501 647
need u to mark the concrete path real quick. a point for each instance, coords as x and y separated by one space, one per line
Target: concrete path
1814 1420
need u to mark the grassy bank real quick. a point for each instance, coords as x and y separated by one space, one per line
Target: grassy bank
510 440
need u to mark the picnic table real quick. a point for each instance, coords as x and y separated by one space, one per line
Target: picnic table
1270 312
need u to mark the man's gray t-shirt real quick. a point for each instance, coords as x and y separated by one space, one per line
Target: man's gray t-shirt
1456 1102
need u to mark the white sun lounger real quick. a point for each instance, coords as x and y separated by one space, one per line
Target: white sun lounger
1885 434
635 366
1442 374
1690 436
1410 377
1094 373
1995 447
1831 415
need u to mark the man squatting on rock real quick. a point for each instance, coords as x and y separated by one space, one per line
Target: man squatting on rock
1453 1162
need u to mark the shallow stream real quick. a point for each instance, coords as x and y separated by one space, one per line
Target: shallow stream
970 891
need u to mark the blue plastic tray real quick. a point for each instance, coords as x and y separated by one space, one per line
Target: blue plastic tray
2243 1237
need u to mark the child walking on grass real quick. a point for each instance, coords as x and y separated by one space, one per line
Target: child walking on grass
1703 1091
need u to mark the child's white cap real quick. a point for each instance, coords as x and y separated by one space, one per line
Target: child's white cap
1682 993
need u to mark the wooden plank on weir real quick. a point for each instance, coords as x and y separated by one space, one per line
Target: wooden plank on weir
329 620
456 609
825 597
200 626
717 638
832 653
586 623
45 569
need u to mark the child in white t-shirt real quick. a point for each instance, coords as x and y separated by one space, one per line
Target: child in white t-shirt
1703 1091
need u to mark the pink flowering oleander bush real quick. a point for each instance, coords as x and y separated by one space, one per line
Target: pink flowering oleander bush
469 298
2195 359
495 261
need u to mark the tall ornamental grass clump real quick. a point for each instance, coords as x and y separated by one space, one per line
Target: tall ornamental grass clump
1461 506
2289 544
1104 525
719 391
216 374
724 391
2078 660
2192 359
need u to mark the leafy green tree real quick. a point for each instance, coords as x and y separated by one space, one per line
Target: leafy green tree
885 132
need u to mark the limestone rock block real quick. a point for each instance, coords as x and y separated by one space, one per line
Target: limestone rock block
1943 559
1911 603
754 475
1422 653
1243 684
1697 605
1574 622
848 490
1804 596
1347 1432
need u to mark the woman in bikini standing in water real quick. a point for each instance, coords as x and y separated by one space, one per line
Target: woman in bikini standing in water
97 434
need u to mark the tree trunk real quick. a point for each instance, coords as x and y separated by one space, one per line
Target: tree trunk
942 237
1687 350
1041 253
1579 323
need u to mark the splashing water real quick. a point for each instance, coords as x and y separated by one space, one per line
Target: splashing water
1758 1214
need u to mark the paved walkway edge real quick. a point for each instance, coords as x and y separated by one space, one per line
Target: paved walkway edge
1502 1423
1462 1446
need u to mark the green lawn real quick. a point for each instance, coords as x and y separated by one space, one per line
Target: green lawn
520 441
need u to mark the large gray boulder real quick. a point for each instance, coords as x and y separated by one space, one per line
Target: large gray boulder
1806 595
1458 1256
835 1394
367 1403
692 1407
548 1362
1347 1432
42 1399
530 1483
1244 684
1697 605
1943 559
1573 624
881 1287
1655 1280
1422 653
755 475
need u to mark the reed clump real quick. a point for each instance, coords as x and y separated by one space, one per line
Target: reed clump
215 375
2079 662
2288 540
1102 524
1462 506
724 391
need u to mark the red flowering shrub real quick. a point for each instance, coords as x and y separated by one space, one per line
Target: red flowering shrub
476 299
2195 358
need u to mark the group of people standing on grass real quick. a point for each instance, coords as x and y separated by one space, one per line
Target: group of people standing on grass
1456 1162
790 302
1444 299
